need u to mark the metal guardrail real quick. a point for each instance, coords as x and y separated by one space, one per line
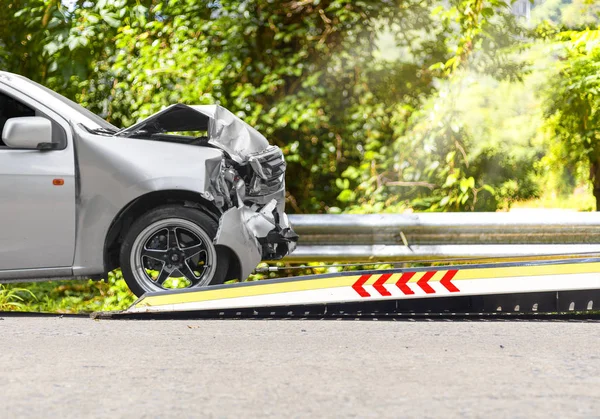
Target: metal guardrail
386 237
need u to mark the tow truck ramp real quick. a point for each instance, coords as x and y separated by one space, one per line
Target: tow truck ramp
535 287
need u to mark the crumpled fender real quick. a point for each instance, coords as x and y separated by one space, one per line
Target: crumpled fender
235 233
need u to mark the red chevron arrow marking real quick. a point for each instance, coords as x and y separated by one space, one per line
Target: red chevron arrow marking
423 282
402 283
358 286
378 285
446 281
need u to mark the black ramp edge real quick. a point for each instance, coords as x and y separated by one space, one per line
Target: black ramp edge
496 304
578 301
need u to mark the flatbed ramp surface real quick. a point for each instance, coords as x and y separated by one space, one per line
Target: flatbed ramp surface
569 285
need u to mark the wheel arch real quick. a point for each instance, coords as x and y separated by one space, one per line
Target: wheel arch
141 205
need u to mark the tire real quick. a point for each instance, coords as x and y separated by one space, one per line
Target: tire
172 247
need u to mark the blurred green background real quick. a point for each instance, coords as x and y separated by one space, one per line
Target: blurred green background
379 106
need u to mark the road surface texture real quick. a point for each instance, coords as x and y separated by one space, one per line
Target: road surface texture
77 368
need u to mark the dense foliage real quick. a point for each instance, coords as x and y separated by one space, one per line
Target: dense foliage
574 105
73 296
354 123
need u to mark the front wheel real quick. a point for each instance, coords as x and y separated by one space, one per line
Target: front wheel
172 247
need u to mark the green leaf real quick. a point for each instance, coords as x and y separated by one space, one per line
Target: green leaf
111 20
346 196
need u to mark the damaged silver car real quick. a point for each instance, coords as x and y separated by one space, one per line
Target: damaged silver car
189 197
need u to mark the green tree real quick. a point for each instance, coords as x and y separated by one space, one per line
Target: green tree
22 36
306 73
573 105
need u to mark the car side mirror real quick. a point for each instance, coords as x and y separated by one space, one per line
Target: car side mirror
28 132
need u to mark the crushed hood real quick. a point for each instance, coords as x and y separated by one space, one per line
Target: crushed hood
225 130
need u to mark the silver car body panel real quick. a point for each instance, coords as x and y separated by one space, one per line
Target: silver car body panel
37 218
104 173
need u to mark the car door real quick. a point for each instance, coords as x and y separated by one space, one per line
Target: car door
37 193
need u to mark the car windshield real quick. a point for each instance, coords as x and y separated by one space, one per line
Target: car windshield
78 108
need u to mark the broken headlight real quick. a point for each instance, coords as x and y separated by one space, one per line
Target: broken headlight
268 172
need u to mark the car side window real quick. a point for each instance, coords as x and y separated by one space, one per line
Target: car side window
13 108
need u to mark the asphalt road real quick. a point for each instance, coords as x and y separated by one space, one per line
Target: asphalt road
78 368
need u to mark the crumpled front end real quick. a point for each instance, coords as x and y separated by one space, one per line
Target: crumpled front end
247 185
254 224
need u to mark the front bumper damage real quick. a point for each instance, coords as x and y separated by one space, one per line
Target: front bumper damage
254 225
255 236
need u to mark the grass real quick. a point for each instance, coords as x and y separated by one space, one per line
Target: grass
12 298
67 296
